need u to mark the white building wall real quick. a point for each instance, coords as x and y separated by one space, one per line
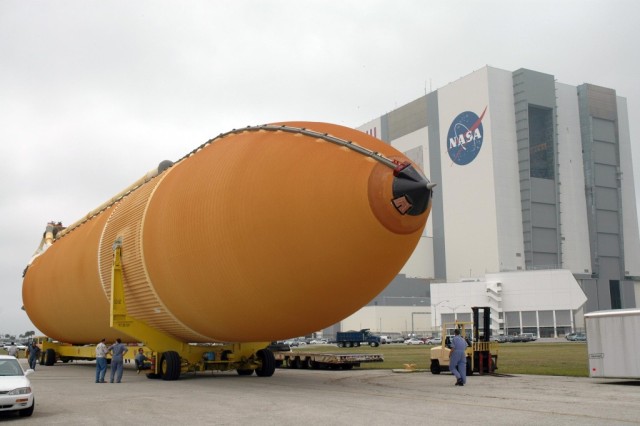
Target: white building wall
631 235
542 290
549 289
373 128
576 252
469 205
508 208
391 319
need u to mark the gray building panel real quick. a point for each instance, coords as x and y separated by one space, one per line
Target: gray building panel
435 171
535 103
404 291
599 122
407 119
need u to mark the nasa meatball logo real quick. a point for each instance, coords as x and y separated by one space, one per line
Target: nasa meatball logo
465 137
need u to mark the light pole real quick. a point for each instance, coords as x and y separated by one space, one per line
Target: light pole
435 312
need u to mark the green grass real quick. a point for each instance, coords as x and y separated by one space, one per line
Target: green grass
549 359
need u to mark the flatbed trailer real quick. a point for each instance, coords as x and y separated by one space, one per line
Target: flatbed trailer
297 359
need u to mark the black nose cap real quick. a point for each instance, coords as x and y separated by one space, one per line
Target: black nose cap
411 190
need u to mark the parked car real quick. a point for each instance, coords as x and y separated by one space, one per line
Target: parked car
434 341
20 347
15 387
527 337
413 341
579 337
572 337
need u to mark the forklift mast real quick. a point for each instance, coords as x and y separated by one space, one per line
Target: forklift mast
486 323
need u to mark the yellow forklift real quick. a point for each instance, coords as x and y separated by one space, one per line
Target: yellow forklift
482 353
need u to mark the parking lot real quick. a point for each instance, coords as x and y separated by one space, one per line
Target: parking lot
66 394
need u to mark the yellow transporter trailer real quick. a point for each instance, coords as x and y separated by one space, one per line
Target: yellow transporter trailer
53 351
169 356
482 353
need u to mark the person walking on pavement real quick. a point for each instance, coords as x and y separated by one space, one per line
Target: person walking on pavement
458 358
117 350
101 361
13 350
34 354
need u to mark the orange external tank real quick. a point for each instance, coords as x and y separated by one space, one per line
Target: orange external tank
260 234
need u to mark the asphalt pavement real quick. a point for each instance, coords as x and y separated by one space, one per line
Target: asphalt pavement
66 394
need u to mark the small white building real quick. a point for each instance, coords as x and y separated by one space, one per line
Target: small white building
542 302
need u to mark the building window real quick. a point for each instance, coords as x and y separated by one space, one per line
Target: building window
541 155
614 289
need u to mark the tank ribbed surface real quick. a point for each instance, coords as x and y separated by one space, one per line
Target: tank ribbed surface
125 224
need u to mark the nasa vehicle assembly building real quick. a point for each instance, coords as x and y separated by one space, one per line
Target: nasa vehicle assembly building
534 213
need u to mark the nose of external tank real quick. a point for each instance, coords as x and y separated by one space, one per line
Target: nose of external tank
411 190
400 198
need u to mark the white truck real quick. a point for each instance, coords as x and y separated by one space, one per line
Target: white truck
613 343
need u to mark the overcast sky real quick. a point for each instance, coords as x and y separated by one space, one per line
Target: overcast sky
93 94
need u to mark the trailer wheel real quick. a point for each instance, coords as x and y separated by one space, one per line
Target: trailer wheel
374 344
294 362
356 344
244 371
268 363
341 344
435 366
170 365
50 357
305 363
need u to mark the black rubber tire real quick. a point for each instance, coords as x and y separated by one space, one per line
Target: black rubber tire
170 365
356 344
294 362
267 363
27 412
50 357
347 366
244 371
435 366
469 367
341 344
374 344
153 376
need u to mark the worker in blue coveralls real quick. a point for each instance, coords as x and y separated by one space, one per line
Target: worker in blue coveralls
458 358
117 350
